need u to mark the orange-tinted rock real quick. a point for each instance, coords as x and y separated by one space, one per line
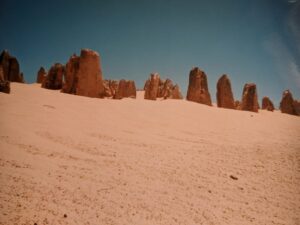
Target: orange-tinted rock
267 104
41 75
131 89
89 75
126 89
110 87
107 90
165 88
151 90
287 103
4 62
198 87
237 105
14 71
249 99
4 84
54 78
161 86
157 88
11 68
84 75
170 91
297 106
176 93
113 85
224 93
147 84
71 75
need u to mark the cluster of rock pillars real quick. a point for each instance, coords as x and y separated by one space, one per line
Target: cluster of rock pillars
82 75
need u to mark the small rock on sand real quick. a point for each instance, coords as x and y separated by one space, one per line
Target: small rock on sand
233 177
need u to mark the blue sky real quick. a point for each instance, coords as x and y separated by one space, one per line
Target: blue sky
250 40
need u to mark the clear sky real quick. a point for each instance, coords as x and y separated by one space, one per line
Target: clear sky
250 40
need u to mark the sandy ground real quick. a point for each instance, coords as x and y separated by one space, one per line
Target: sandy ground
144 162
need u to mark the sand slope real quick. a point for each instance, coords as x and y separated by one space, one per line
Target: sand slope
144 162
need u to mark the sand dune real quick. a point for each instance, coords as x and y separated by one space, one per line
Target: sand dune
102 161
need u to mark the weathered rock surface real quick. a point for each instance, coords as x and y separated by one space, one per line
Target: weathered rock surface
41 75
175 93
287 104
151 88
5 63
169 91
198 87
126 89
84 75
147 84
107 90
90 81
113 85
4 84
54 78
267 104
249 98
237 105
14 71
163 89
110 87
11 68
71 75
297 106
119 89
224 93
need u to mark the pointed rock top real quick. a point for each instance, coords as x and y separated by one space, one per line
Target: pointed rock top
287 104
224 76
267 104
224 93
249 98
42 69
4 55
198 87
155 74
248 85
287 92
88 52
5 52
197 70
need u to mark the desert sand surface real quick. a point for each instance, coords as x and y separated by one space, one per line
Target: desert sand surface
136 161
